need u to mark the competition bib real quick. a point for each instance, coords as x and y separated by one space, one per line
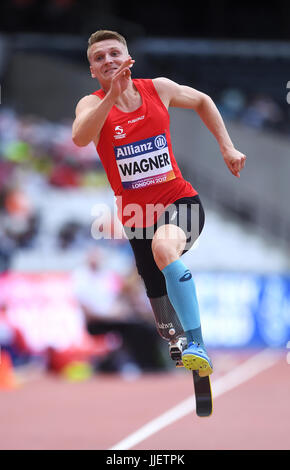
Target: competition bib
144 163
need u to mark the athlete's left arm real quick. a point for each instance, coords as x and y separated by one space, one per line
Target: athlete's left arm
181 96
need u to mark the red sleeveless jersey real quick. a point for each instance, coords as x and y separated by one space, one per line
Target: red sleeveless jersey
136 152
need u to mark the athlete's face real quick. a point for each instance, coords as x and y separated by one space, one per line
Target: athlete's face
105 58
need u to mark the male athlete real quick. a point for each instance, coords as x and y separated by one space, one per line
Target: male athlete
128 121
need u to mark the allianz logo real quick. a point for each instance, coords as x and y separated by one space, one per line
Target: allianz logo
162 326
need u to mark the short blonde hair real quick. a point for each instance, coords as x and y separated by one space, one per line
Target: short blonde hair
102 35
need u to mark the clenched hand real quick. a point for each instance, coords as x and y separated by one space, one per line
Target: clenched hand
235 161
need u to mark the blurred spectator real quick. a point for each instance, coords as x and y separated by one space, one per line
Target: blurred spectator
112 304
72 234
259 111
263 112
19 224
12 340
96 288
7 248
19 220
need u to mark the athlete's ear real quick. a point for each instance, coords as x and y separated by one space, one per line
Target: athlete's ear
92 73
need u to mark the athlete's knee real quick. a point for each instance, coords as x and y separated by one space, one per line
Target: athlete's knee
164 253
167 244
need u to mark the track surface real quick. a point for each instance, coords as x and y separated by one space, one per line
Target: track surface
249 412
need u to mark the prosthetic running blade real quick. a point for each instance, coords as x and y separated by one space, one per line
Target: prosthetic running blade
170 329
202 386
203 395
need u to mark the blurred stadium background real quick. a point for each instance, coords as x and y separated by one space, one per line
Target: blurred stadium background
74 306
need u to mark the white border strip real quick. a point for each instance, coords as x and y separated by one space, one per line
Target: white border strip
242 373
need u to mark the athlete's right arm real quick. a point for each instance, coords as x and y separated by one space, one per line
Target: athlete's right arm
91 113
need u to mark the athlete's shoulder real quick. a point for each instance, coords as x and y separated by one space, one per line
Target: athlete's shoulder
164 83
166 89
86 102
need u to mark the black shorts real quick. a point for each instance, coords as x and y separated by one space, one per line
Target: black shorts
188 214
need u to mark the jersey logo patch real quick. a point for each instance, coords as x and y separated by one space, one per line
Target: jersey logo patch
119 132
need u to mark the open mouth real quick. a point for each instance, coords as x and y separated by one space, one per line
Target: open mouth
112 69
